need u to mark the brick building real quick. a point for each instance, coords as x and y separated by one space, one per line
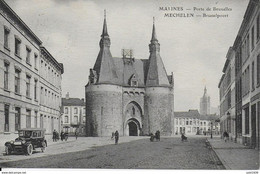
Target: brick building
227 95
73 115
30 78
133 96
246 49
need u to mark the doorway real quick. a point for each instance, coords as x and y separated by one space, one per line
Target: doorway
132 129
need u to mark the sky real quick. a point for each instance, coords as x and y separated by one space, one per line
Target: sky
194 49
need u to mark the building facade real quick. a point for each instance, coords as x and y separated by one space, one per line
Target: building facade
192 123
205 103
73 115
133 96
247 77
21 77
227 95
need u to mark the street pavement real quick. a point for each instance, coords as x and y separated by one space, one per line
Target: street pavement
130 153
235 156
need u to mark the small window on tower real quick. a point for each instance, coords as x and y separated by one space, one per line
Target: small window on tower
133 80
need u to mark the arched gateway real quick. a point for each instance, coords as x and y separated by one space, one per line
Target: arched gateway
133 119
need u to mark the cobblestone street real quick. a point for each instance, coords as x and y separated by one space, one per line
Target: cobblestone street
169 153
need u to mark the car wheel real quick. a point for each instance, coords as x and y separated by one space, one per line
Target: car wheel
7 150
29 149
43 146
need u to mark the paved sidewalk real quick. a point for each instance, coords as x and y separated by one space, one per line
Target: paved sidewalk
72 145
235 156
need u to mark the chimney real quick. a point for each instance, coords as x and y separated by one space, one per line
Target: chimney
67 95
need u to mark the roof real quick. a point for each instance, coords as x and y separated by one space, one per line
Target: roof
119 71
195 114
72 102
209 117
188 114
48 56
156 75
32 129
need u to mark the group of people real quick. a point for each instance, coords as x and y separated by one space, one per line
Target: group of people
62 136
156 136
116 136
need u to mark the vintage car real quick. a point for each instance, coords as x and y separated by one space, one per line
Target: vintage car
29 139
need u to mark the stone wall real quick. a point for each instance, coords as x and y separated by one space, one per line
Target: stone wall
159 110
103 110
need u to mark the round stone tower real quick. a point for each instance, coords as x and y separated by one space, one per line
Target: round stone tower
103 93
103 109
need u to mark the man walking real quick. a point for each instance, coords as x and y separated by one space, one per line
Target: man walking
116 137
76 134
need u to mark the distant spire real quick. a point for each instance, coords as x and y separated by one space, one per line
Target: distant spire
104 33
154 37
205 90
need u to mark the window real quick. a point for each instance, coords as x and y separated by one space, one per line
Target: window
35 89
190 122
17 118
28 55
204 123
247 46
28 79
252 38
17 46
84 111
76 120
17 81
35 61
66 111
247 120
28 118
84 119
66 119
6 37
187 122
176 121
41 121
75 110
6 118
258 27
35 119
253 75
6 67
258 70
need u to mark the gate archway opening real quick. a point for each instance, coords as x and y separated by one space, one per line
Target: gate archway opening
133 127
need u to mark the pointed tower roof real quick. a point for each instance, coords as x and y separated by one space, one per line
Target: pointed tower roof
154 37
104 66
205 90
104 33
156 75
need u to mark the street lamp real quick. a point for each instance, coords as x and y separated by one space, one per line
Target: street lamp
211 130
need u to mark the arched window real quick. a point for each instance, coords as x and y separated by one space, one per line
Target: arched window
66 119
75 110
66 111
76 120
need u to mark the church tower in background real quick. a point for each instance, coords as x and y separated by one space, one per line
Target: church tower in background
205 103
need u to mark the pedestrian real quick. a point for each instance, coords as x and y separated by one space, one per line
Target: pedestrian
76 134
116 137
53 135
62 135
226 136
159 136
